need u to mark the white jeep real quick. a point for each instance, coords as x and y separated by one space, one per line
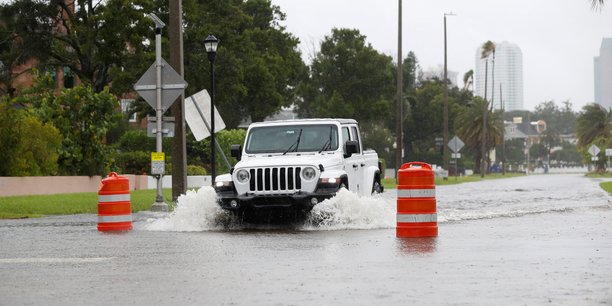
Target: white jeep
297 164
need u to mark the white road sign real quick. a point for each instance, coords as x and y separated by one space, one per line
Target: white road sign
455 144
197 115
594 150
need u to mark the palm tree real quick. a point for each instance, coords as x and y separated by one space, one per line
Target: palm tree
472 130
597 4
593 121
488 49
468 79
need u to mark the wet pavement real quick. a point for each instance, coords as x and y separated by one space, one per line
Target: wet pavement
528 240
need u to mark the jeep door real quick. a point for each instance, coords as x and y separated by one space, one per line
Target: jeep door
353 164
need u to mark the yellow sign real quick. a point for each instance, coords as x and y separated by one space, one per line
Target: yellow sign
157 156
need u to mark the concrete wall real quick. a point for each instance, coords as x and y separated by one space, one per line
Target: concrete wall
35 185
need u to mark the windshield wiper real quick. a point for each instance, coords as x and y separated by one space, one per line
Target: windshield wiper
296 143
327 145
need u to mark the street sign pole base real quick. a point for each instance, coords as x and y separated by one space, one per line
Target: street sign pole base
159 206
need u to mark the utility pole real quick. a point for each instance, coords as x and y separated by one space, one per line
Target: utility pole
445 154
501 100
399 103
483 148
179 154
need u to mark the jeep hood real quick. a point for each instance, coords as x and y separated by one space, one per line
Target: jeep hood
327 160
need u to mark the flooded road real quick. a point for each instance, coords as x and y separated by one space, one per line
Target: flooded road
540 239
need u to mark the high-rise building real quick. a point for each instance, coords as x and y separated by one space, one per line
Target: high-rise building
602 65
507 72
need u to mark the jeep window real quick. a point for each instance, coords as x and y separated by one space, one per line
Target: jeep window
356 137
345 137
283 138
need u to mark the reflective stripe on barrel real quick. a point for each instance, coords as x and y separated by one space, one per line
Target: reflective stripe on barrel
417 218
113 198
416 193
109 219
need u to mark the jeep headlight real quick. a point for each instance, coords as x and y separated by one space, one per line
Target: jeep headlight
309 173
243 176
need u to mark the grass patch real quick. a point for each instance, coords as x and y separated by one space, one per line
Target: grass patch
607 186
599 174
389 183
34 206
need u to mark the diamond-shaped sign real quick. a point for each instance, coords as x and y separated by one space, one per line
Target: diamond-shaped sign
594 150
172 85
455 144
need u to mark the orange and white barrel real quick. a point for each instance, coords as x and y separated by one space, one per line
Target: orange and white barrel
416 201
114 207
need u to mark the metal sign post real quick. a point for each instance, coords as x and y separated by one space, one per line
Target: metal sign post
456 144
160 85
594 150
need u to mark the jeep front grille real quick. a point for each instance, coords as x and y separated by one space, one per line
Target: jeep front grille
276 179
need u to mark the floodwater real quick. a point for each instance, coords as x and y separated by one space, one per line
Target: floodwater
539 239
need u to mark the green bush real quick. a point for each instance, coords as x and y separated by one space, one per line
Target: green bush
198 152
30 145
196 170
136 140
135 162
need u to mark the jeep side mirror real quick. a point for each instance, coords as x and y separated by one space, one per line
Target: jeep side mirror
236 151
352 147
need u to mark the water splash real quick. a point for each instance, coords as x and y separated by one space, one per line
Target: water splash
199 211
348 211
195 211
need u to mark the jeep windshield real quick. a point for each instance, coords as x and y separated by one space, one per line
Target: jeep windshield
285 139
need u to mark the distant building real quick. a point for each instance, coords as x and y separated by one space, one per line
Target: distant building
508 74
602 65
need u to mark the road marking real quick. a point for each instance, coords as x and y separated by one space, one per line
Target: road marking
55 260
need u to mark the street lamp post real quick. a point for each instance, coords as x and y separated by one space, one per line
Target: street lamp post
445 150
211 44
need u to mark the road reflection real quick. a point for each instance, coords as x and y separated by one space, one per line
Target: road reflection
416 246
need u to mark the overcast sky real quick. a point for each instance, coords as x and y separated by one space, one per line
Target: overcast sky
558 38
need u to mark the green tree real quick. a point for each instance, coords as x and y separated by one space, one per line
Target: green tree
199 151
82 116
468 79
37 152
99 41
470 129
29 146
258 66
597 4
488 50
423 118
348 78
592 122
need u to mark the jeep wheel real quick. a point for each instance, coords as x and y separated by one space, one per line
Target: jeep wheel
376 188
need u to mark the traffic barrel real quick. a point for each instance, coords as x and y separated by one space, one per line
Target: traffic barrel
114 208
416 201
